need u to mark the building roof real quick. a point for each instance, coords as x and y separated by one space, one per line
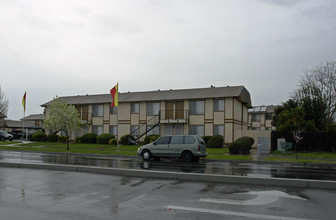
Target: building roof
239 92
262 109
34 117
18 124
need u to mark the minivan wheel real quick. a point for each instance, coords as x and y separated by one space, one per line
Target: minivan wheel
146 155
187 156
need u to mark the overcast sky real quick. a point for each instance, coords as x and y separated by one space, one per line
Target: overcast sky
75 47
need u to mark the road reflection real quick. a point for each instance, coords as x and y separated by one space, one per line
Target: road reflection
176 165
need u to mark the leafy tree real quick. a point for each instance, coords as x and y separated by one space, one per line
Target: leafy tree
3 103
319 85
62 117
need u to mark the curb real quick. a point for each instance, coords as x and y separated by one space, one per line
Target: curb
283 182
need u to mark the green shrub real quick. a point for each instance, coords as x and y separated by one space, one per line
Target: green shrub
206 139
88 138
126 139
39 136
242 145
62 139
52 137
113 141
151 138
215 141
104 138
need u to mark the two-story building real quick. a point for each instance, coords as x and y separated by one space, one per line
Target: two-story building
202 111
260 117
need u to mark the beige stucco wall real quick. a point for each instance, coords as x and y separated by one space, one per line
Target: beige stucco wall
124 111
196 119
219 117
208 109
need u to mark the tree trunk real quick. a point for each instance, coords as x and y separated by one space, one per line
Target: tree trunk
67 141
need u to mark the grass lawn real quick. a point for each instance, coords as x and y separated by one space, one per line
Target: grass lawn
130 150
305 157
126 150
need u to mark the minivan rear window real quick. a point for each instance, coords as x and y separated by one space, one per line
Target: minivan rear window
189 140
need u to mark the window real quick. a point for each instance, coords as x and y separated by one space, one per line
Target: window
97 110
177 140
155 130
135 108
135 128
114 129
269 116
256 117
153 108
197 107
196 130
113 110
189 140
219 105
168 129
219 129
163 140
98 130
179 129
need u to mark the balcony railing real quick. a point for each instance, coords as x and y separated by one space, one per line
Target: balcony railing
174 116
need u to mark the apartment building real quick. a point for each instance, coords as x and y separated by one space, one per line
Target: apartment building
202 111
260 117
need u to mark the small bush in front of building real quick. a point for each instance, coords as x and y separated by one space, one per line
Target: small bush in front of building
206 139
104 138
62 139
113 141
151 138
242 145
52 137
127 139
39 136
215 141
88 138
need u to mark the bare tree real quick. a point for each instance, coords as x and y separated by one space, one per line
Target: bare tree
3 103
319 83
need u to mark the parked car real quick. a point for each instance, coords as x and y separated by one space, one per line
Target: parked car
187 147
4 135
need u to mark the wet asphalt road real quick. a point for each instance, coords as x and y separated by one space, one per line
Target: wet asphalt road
266 170
58 195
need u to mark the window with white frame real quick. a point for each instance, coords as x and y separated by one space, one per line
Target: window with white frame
153 108
135 107
218 129
114 129
196 130
196 107
97 129
97 110
219 105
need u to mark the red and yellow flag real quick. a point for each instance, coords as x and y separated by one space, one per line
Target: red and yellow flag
114 94
24 102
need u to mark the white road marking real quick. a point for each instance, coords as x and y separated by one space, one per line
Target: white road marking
263 197
224 212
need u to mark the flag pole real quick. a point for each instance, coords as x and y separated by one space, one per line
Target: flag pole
118 117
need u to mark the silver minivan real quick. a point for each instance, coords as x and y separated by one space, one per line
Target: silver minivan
187 147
